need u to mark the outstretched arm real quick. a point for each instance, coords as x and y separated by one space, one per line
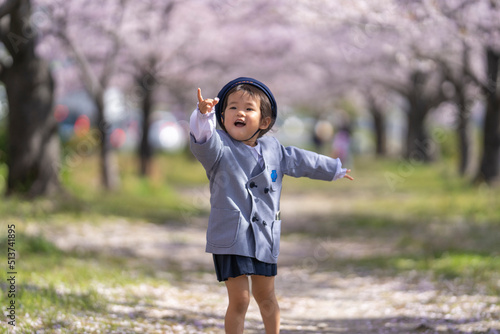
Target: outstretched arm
297 162
205 143
202 121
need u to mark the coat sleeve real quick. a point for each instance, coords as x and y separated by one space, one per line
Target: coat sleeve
297 162
208 152
202 126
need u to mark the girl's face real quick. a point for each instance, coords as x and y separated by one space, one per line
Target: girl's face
242 117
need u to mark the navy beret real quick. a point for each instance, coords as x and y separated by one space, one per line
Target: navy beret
239 81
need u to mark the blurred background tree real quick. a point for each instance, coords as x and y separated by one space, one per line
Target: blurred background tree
476 27
90 35
32 141
408 73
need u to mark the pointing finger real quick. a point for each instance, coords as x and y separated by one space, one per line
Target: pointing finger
200 98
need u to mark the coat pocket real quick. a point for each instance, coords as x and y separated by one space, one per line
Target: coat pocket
223 226
276 237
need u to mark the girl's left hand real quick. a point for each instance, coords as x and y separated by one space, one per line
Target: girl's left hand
347 176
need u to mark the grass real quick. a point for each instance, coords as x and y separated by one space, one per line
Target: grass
54 288
438 225
428 192
154 199
53 285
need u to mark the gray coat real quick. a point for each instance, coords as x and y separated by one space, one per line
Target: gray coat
245 198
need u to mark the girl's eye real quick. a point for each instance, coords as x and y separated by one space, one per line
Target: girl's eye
249 109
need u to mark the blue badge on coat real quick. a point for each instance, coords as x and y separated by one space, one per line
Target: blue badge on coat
274 175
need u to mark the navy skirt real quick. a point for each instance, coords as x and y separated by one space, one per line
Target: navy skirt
227 266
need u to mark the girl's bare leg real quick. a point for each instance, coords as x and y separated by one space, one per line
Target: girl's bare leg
238 290
263 292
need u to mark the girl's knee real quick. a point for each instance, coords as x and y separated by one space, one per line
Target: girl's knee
240 304
264 294
269 307
239 294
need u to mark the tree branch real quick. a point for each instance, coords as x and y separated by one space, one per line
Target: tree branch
109 61
93 85
473 76
167 11
393 85
7 7
4 29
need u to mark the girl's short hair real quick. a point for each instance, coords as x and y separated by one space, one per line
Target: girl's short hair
265 104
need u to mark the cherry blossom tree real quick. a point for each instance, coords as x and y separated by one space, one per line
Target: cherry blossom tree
33 144
475 28
164 57
424 50
146 49
484 22
176 51
429 52
415 74
89 33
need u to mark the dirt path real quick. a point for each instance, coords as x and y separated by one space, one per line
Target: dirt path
312 300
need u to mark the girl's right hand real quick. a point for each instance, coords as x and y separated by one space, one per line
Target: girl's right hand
207 105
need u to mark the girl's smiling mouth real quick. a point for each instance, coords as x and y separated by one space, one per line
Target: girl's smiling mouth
239 123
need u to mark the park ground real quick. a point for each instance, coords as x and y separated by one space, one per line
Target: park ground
402 249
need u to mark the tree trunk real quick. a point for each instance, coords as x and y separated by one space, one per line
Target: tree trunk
33 144
419 147
108 166
463 131
380 131
145 150
489 168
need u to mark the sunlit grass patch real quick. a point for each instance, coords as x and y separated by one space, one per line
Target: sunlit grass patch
41 294
452 265
56 289
35 298
477 272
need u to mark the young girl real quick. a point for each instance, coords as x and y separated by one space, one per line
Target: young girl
245 171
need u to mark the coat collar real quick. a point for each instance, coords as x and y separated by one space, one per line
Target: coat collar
247 157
